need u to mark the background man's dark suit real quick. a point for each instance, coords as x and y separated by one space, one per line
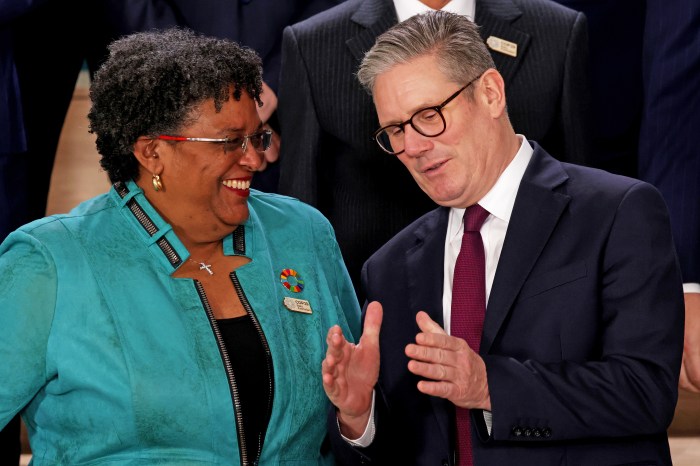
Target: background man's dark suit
328 158
669 153
573 341
645 61
255 23
615 31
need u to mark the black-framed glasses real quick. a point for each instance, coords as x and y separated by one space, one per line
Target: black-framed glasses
429 121
260 141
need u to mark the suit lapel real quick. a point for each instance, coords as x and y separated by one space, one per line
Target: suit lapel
376 16
535 214
496 18
424 263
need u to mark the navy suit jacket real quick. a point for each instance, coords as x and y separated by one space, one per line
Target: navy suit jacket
328 158
257 24
582 337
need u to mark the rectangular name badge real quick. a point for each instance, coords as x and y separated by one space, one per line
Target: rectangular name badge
297 305
503 46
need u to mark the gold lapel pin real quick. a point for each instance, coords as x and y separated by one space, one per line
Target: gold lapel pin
503 46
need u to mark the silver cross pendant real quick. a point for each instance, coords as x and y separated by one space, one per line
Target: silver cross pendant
207 267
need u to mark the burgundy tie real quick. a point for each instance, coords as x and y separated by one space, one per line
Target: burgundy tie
468 308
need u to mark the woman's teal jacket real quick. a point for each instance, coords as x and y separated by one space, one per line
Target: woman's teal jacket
111 360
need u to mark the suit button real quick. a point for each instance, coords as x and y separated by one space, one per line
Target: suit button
517 431
445 463
536 432
528 432
546 432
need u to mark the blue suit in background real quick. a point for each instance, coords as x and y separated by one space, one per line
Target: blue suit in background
257 24
13 169
669 153
13 139
615 30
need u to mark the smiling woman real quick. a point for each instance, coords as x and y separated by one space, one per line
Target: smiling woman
157 328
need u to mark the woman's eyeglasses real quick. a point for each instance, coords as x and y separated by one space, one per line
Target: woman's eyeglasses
260 141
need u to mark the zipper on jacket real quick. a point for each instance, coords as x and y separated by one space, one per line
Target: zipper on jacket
268 359
148 225
243 447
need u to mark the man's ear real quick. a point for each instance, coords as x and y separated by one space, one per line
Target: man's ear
146 152
493 92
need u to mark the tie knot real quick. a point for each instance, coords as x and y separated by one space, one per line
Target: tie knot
474 217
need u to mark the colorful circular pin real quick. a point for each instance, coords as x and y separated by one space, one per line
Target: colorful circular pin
291 280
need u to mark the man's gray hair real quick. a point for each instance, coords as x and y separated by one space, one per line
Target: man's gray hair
453 39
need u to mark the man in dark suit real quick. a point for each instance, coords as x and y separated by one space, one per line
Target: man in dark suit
328 158
574 318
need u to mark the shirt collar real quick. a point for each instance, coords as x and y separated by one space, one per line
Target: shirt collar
500 199
407 8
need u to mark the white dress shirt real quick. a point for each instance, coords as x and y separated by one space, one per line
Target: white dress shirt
499 203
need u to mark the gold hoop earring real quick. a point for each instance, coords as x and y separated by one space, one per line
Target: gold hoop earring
157 184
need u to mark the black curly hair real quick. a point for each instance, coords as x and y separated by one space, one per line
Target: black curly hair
153 80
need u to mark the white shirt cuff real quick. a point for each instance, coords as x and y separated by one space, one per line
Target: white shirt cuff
367 437
691 287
